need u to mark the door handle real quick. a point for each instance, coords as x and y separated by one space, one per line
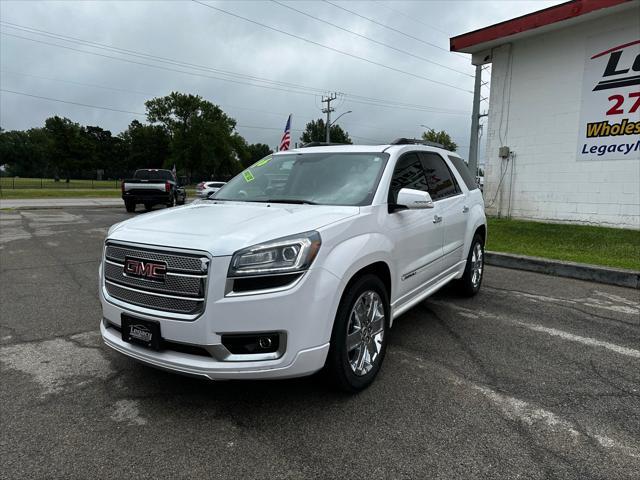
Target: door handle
465 209
437 219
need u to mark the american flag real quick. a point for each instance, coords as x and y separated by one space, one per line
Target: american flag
286 138
173 171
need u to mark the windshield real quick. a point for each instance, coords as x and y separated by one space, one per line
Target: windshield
328 178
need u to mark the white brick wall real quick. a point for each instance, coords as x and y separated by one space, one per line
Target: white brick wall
543 110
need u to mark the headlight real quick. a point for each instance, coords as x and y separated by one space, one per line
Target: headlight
283 255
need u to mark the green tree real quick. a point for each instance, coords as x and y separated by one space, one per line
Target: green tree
145 146
69 148
258 151
25 153
201 134
315 131
441 137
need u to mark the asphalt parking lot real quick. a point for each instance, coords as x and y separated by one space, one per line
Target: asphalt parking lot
536 377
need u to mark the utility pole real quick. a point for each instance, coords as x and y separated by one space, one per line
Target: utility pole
475 123
328 99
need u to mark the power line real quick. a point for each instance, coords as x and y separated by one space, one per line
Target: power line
149 56
226 106
73 103
69 102
145 56
99 107
342 52
386 26
71 82
371 39
160 67
309 90
135 92
399 12
111 109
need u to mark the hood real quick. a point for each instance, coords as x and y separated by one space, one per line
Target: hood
223 228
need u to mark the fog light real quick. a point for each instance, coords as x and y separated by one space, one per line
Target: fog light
251 343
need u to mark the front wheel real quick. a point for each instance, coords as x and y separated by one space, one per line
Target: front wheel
472 278
359 338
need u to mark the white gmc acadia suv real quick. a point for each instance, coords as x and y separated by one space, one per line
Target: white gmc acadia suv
299 263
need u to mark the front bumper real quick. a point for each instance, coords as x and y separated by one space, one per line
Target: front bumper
304 313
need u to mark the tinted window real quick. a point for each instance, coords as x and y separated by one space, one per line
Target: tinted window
465 173
407 174
153 175
441 183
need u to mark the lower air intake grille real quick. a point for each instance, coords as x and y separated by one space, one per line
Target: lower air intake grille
155 302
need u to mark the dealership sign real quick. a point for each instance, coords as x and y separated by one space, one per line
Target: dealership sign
610 118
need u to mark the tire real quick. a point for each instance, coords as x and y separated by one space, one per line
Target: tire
348 368
471 280
181 202
172 201
148 206
130 206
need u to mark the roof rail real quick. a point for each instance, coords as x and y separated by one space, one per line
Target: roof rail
320 144
415 141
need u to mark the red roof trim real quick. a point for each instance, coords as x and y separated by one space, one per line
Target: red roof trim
548 16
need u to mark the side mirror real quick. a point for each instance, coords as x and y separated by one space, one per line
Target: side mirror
414 199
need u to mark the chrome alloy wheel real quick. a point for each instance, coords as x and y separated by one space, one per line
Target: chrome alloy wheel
365 332
477 264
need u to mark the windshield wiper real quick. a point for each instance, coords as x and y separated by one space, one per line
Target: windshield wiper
289 200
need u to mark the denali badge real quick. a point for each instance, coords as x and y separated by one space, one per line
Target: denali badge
149 270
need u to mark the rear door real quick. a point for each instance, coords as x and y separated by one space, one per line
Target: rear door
417 238
451 200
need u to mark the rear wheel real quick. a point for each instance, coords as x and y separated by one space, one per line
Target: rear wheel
359 338
148 206
130 206
471 280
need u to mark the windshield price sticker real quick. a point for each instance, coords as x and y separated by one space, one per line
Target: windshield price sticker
262 162
610 114
248 176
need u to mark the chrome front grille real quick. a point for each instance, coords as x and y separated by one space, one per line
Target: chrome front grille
182 292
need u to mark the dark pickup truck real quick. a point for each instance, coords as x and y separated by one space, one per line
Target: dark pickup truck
152 187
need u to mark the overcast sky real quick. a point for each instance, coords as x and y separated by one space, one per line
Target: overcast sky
227 53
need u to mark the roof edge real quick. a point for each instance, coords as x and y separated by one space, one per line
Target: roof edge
530 21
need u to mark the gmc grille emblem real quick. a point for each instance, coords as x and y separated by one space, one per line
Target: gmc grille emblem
135 267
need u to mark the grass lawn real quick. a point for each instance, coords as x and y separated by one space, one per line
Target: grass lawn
609 247
19 193
7 194
8 183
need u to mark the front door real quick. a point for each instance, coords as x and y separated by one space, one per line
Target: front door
417 234
449 197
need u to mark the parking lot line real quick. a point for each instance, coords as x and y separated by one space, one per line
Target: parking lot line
630 352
